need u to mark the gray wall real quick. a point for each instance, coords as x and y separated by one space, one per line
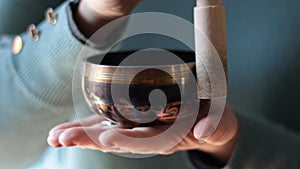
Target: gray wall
263 52
16 15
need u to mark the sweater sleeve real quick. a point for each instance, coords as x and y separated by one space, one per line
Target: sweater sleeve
261 145
35 89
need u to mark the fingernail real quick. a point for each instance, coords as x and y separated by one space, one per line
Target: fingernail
203 131
53 135
51 139
207 132
106 144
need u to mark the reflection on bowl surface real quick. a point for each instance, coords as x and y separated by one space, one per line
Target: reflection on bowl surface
102 74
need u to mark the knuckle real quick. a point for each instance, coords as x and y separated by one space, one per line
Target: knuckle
220 136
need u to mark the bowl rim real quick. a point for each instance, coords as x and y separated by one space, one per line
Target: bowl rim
189 64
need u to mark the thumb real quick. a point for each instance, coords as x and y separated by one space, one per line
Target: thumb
219 134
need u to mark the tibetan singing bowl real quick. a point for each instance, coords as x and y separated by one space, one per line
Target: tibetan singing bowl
121 90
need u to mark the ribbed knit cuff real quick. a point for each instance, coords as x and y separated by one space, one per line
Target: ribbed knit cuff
73 26
200 160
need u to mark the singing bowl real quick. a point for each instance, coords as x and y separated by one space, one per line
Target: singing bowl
102 73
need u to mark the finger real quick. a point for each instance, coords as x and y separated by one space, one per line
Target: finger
67 132
66 137
56 131
53 138
87 121
221 135
142 140
87 137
